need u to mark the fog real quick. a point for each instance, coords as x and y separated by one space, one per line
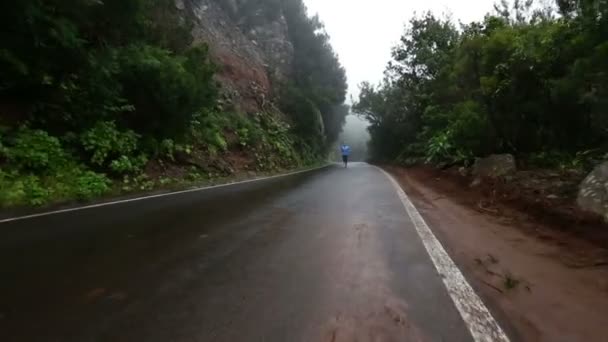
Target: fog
355 135
363 32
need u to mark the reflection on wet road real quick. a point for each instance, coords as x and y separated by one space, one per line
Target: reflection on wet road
328 255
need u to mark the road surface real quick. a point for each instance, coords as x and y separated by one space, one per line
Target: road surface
327 255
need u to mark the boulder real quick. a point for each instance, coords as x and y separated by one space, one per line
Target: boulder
494 166
593 191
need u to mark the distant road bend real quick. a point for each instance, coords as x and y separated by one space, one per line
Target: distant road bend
328 255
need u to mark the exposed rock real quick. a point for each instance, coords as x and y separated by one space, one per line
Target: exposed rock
246 45
593 191
494 166
462 171
273 39
476 182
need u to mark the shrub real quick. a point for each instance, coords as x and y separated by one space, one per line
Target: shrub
68 183
112 148
11 193
125 164
35 150
248 130
167 149
90 185
105 141
23 190
208 128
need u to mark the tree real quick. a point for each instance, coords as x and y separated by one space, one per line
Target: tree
318 76
521 81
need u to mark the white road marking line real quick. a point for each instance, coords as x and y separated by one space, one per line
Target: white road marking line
477 317
92 206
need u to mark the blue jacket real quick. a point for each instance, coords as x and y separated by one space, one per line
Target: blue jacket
345 149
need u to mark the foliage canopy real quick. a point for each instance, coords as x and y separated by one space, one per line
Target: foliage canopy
524 80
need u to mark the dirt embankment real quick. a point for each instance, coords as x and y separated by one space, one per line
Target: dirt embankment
540 265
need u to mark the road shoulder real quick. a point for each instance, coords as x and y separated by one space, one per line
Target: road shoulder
531 280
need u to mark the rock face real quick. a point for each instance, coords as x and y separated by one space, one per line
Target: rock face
496 165
593 191
272 38
251 48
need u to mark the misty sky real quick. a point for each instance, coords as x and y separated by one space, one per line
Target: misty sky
363 31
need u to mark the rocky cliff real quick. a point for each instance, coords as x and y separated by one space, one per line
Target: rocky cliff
250 46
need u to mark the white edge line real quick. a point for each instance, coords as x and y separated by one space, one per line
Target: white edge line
475 314
105 204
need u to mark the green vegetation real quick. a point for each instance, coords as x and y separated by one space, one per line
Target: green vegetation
97 96
89 88
315 94
526 80
318 89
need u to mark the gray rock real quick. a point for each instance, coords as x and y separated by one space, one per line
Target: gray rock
249 45
593 191
463 171
476 182
494 166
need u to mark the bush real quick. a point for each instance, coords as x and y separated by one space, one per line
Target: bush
72 182
208 128
12 192
90 185
125 164
248 130
105 141
34 150
23 190
112 148
167 149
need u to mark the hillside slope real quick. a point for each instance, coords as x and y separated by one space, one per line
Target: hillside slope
119 96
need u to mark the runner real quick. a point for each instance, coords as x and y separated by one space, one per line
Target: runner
345 149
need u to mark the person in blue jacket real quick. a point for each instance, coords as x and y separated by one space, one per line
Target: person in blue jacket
345 149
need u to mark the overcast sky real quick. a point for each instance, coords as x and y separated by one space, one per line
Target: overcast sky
363 31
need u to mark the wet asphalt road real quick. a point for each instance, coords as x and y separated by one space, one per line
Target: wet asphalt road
328 255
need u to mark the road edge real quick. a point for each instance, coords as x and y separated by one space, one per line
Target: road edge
478 319
167 194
